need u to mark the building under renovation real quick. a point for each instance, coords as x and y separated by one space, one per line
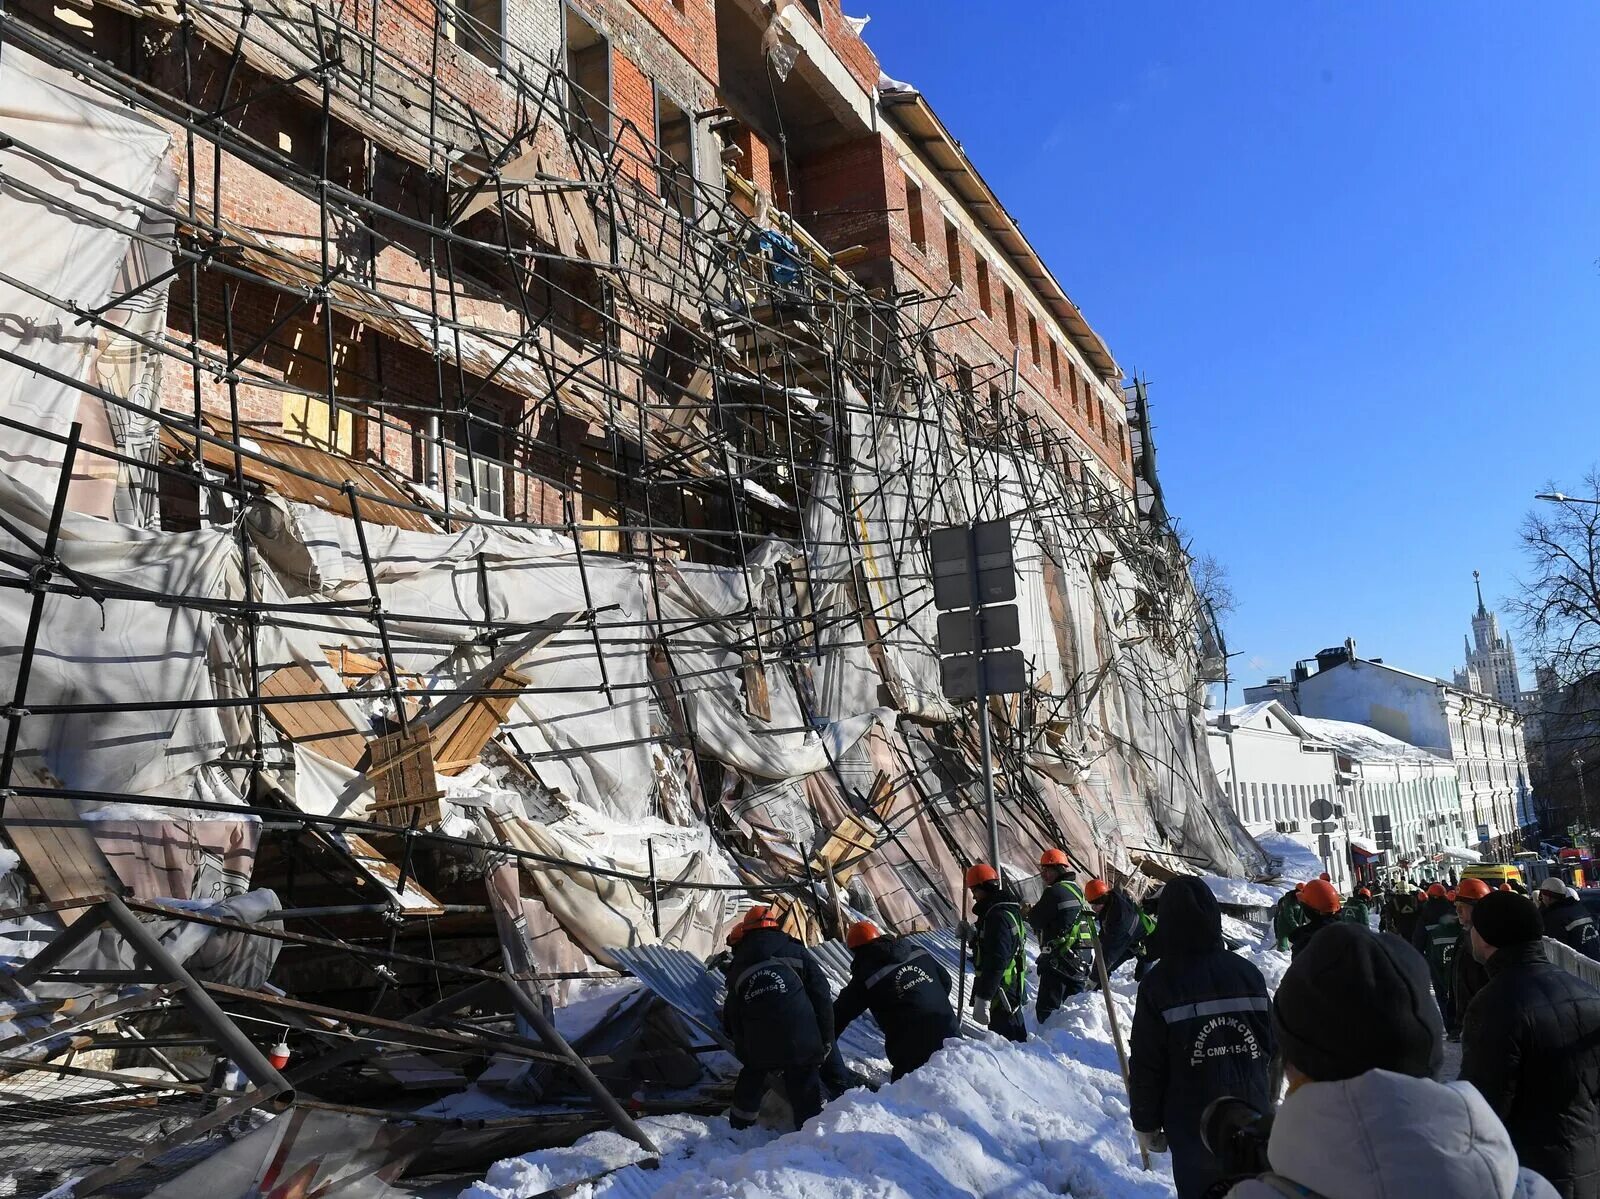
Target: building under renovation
468 476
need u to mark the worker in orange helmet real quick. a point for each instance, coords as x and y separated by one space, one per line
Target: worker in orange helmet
1287 916
779 1014
999 954
906 990
1123 931
1467 974
1358 908
1061 922
1438 930
1320 898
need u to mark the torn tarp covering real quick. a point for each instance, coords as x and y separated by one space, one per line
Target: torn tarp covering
585 725
221 955
706 613
112 154
604 914
120 652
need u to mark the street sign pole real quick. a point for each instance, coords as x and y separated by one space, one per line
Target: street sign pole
983 700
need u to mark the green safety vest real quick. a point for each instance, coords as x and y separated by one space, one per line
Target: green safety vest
1017 966
1068 941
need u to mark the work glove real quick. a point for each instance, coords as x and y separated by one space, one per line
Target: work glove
980 1010
964 930
1152 1142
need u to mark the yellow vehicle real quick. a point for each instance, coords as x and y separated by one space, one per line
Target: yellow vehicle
1493 873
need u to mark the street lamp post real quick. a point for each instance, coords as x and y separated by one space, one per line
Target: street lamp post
1583 794
1556 497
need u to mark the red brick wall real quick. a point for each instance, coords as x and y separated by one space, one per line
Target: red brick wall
855 194
633 99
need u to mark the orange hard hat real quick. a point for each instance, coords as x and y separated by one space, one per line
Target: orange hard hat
981 873
1437 891
1299 887
1320 896
758 913
1095 890
1364 893
1451 894
1324 877
859 933
1054 857
1471 890
1506 887
735 935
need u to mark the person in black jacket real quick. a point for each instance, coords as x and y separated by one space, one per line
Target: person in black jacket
1321 902
1566 919
907 991
999 955
1121 931
1059 920
1400 910
1200 1031
1467 974
1438 929
1531 1044
779 1013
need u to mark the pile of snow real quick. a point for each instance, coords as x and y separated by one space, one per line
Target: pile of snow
1237 892
983 1118
1298 861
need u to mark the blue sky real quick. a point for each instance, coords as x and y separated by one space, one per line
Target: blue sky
1355 248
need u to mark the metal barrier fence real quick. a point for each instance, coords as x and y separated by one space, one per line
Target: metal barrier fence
1573 962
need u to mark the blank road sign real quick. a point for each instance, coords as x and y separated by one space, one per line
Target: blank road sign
1000 628
950 552
1005 673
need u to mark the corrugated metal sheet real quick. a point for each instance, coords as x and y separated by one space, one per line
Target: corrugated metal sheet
683 981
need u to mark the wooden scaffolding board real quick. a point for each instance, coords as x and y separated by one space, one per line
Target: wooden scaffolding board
318 724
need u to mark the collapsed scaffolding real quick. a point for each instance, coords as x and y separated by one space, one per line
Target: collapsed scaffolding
508 547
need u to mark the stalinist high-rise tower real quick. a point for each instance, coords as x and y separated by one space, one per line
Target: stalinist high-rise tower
1491 661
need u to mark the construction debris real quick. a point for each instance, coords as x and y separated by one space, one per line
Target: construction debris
474 583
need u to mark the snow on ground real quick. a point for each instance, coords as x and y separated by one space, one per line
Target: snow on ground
983 1118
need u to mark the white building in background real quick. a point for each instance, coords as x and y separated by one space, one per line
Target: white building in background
1480 736
1274 772
1391 785
1491 665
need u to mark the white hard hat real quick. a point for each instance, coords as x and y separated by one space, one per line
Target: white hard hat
1553 885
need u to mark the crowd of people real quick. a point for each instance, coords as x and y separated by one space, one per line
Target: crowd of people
1353 1038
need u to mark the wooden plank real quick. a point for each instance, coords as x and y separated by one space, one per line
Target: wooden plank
852 836
459 738
350 664
415 900
58 850
402 778
462 724
757 696
318 724
331 471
